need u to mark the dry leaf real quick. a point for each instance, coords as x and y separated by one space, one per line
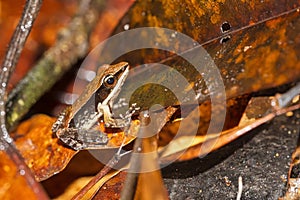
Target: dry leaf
42 151
249 43
189 147
13 184
112 188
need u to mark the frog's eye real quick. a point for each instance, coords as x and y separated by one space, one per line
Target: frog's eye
109 81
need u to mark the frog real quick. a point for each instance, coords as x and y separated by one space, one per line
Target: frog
76 125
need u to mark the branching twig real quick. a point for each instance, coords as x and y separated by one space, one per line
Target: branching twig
72 45
15 48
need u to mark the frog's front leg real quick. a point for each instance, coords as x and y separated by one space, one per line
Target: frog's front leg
62 120
107 117
121 122
79 139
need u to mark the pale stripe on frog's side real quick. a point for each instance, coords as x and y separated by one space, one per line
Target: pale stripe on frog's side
74 126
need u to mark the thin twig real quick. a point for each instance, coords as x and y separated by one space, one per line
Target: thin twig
112 162
11 58
15 48
97 178
285 98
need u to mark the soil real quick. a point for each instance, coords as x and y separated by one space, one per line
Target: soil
261 158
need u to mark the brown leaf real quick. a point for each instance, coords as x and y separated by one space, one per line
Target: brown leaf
13 184
250 43
254 45
113 180
43 152
112 188
262 34
189 147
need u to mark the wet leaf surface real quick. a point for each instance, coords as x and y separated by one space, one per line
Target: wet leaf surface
42 151
262 51
112 189
13 183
